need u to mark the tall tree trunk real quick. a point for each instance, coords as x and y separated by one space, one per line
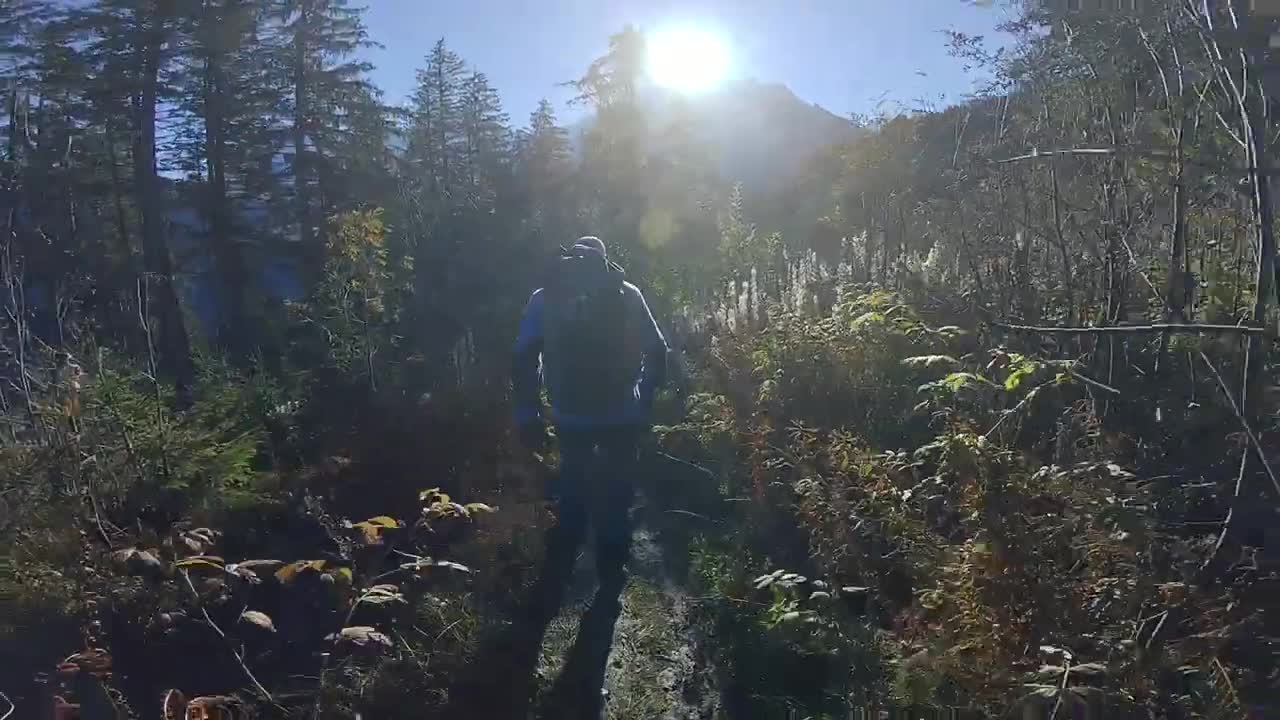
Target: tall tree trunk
233 333
1177 287
1068 281
1264 222
160 300
124 246
308 224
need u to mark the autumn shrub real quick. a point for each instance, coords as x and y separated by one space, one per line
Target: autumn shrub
974 534
277 538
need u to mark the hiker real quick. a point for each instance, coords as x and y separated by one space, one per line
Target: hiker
602 359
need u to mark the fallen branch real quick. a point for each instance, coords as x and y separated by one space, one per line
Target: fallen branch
1188 328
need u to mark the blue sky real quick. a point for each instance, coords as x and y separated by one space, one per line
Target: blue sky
846 55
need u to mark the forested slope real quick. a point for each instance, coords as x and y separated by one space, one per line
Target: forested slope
976 410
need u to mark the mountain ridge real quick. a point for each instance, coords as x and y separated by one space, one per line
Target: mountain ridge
761 133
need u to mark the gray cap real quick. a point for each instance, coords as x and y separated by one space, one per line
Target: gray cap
591 243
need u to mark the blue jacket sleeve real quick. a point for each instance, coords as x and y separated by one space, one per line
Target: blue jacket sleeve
526 378
653 374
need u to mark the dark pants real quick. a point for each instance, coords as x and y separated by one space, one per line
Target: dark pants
595 489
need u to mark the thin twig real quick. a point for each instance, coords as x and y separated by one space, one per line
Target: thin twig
451 626
1090 381
1062 691
1244 422
97 516
209 621
1225 676
693 515
11 709
686 463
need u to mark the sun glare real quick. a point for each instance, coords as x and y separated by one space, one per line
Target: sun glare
687 59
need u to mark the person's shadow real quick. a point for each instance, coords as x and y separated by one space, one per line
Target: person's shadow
502 681
578 692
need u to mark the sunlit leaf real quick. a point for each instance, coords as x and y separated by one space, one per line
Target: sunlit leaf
175 706
1052 651
206 562
260 619
381 595
361 635
477 507
931 361
371 533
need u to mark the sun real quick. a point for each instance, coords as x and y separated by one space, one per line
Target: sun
687 59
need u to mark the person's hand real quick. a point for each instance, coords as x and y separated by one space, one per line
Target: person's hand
533 435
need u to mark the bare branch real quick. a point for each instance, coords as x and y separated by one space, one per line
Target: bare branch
209 621
1181 328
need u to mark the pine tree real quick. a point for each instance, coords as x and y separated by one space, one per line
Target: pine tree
545 169
221 95
20 22
614 148
435 123
319 40
486 141
131 43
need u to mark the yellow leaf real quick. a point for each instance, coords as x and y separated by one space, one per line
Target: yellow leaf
290 572
197 564
345 574
476 507
256 565
385 521
372 533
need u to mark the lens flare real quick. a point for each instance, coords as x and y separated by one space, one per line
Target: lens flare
687 59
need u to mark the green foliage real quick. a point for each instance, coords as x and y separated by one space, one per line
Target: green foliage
204 458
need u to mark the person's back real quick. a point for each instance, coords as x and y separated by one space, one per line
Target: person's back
602 355
602 359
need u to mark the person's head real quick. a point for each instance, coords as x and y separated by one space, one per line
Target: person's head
590 244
